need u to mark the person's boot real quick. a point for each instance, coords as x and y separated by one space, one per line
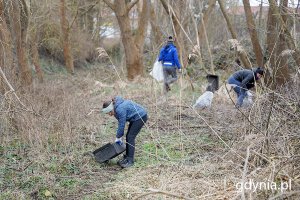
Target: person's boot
167 87
127 164
123 160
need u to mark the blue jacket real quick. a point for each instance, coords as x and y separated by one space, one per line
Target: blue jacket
168 55
127 111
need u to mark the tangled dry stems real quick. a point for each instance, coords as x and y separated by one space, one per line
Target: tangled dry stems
218 147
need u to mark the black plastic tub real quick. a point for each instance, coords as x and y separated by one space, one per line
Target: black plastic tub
108 151
213 82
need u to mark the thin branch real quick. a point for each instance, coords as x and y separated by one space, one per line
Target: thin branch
163 2
197 49
75 17
208 48
109 4
89 9
131 4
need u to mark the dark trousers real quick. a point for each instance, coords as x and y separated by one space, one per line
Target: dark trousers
133 129
241 92
170 75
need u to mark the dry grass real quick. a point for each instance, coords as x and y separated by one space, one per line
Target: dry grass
181 154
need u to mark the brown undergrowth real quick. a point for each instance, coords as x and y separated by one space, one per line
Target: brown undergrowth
181 153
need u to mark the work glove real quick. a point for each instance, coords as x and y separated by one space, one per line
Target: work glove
179 71
119 141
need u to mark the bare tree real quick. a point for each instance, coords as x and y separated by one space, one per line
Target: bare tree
3 45
154 27
16 14
253 34
66 38
289 39
271 44
281 69
131 42
144 13
279 39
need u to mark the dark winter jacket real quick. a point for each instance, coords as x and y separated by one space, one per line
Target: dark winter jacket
246 77
127 111
169 56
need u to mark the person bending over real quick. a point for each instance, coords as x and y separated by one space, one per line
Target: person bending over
126 111
244 80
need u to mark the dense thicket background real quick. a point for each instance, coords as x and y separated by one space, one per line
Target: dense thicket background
61 59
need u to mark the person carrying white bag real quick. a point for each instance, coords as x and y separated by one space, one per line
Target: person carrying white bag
169 58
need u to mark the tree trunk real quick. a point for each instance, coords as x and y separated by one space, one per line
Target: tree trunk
242 54
65 38
26 74
281 69
288 37
184 23
7 46
155 28
134 63
18 20
271 46
253 34
3 47
142 24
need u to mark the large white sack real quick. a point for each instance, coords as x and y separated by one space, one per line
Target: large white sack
157 71
248 101
205 100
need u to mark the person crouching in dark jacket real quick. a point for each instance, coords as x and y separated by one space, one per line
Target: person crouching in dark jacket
244 80
126 111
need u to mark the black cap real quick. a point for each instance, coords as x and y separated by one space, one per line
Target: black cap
259 71
170 39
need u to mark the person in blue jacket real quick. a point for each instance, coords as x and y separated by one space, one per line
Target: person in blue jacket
244 80
126 111
169 57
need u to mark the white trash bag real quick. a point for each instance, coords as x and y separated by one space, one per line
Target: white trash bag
248 101
205 100
157 71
